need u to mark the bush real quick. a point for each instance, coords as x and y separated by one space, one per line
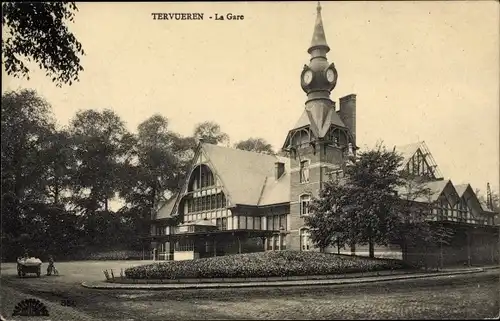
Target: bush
116 255
263 264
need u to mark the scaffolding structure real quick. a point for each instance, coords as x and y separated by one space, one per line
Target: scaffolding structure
430 160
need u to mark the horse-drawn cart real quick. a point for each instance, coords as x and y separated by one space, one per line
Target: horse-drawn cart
29 265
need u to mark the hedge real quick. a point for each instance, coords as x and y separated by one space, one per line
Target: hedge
263 264
115 255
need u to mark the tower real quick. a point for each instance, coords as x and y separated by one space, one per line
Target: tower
320 141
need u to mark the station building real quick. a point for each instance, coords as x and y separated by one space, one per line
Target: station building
237 201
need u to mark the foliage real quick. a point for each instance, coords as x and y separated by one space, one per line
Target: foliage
210 132
37 31
116 255
258 145
328 221
375 203
26 124
262 264
162 157
102 145
57 182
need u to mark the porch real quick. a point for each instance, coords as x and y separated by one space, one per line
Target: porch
193 245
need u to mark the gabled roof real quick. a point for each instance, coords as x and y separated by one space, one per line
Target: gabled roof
461 189
436 188
242 173
165 210
248 178
303 121
409 150
277 191
309 118
473 195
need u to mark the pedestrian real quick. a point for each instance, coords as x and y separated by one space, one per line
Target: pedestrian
51 268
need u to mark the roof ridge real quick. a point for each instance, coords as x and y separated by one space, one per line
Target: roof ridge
239 150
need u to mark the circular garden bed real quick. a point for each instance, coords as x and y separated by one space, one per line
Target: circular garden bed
263 265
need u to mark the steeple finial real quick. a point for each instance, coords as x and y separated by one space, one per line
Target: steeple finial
319 39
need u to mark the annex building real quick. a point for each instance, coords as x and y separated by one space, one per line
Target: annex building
236 201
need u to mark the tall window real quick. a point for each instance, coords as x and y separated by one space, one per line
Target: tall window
269 223
304 240
304 171
282 221
243 222
304 204
257 224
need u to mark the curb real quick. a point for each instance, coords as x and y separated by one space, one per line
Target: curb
186 286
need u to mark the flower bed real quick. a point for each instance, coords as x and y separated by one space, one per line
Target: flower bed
262 264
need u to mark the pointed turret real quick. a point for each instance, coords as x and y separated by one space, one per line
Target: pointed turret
318 39
318 80
321 121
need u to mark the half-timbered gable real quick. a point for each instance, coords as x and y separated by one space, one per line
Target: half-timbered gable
418 161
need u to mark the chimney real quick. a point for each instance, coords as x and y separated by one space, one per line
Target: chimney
347 113
279 170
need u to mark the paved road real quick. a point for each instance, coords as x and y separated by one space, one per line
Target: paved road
463 297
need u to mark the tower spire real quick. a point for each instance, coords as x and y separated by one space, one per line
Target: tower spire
318 39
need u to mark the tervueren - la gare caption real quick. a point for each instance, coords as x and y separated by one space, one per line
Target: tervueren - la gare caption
375 202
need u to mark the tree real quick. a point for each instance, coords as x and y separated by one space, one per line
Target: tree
26 122
162 158
59 160
258 145
37 31
34 176
210 132
102 146
372 182
375 203
412 225
328 220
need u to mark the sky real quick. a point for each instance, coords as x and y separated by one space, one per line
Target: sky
422 71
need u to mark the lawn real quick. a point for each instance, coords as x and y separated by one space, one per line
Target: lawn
262 264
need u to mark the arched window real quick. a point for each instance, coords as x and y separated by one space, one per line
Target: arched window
201 177
337 137
304 204
305 237
300 137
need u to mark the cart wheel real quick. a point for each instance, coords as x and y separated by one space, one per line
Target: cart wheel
23 274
